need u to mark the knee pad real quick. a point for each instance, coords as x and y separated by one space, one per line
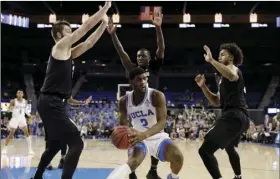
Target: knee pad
162 146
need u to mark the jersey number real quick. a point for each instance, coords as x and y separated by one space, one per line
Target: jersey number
144 122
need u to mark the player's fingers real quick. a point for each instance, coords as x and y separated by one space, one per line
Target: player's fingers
133 141
198 77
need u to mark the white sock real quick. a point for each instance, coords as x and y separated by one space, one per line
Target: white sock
238 176
120 172
28 139
174 175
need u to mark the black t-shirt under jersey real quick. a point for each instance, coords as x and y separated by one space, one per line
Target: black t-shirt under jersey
232 93
58 79
153 72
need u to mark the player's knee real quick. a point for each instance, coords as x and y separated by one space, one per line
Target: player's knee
173 154
12 133
133 163
177 156
202 151
79 145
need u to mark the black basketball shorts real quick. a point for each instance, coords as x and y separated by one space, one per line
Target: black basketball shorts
53 111
228 128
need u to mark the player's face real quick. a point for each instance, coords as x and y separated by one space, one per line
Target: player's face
66 31
140 82
19 94
143 58
225 57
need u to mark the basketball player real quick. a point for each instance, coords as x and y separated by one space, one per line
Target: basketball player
63 148
19 108
147 109
234 120
56 90
152 66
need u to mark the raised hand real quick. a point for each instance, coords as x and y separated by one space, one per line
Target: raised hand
200 80
108 4
157 21
208 56
88 100
111 27
105 18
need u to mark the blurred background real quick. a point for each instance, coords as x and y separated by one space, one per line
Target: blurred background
26 44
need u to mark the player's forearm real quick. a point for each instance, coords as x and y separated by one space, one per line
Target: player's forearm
155 129
123 55
117 43
225 72
94 37
95 18
75 102
124 122
212 98
160 42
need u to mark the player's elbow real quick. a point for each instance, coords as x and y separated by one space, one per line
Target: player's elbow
89 43
215 101
161 124
160 52
232 77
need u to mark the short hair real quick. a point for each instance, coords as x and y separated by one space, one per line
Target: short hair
20 90
135 72
235 51
58 27
144 49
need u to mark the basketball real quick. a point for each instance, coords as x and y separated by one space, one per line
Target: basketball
119 137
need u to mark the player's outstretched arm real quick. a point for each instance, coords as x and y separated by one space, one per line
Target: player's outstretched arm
85 27
126 62
158 100
212 98
229 73
123 111
157 21
71 100
91 40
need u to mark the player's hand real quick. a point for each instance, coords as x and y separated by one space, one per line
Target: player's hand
108 4
135 137
208 56
88 100
105 18
200 80
111 26
157 19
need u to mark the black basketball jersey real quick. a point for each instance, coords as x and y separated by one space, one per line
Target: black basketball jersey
153 72
58 79
232 93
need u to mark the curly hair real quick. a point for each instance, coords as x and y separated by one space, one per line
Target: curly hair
135 72
235 51
58 27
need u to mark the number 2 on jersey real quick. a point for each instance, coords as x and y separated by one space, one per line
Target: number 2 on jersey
144 122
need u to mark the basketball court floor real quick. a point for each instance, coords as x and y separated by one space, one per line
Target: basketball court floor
100 157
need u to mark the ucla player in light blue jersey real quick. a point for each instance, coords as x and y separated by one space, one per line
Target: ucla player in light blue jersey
147 109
